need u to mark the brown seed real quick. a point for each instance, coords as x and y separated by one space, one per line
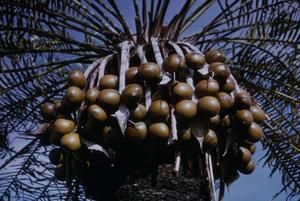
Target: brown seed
159 110
214 121
91 96
213 65
109 82
132 76
186 109
246 143
254 133
91 128
173 63
132 94
71 141
244 117
226 121
228 86
194 60
185 135
210 140
58 105
258 114
242 100
215 56
48 111
65 107
56 156
60 172
221 72
55 138
96 113
112 136
74 96
160 130
80 168
244 155
181 90
109 99
252 149
225 100
138 114
209 106
137 131
63 126
150 72
206 88
248 168
77 79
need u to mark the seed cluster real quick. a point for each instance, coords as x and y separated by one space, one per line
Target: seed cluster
228 117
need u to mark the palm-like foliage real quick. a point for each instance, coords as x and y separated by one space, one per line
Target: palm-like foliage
42 40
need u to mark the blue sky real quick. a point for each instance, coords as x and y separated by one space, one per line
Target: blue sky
258 186
255 187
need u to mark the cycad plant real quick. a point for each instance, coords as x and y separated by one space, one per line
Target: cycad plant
107 104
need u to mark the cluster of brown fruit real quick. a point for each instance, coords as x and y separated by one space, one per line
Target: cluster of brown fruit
63 129
229 117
